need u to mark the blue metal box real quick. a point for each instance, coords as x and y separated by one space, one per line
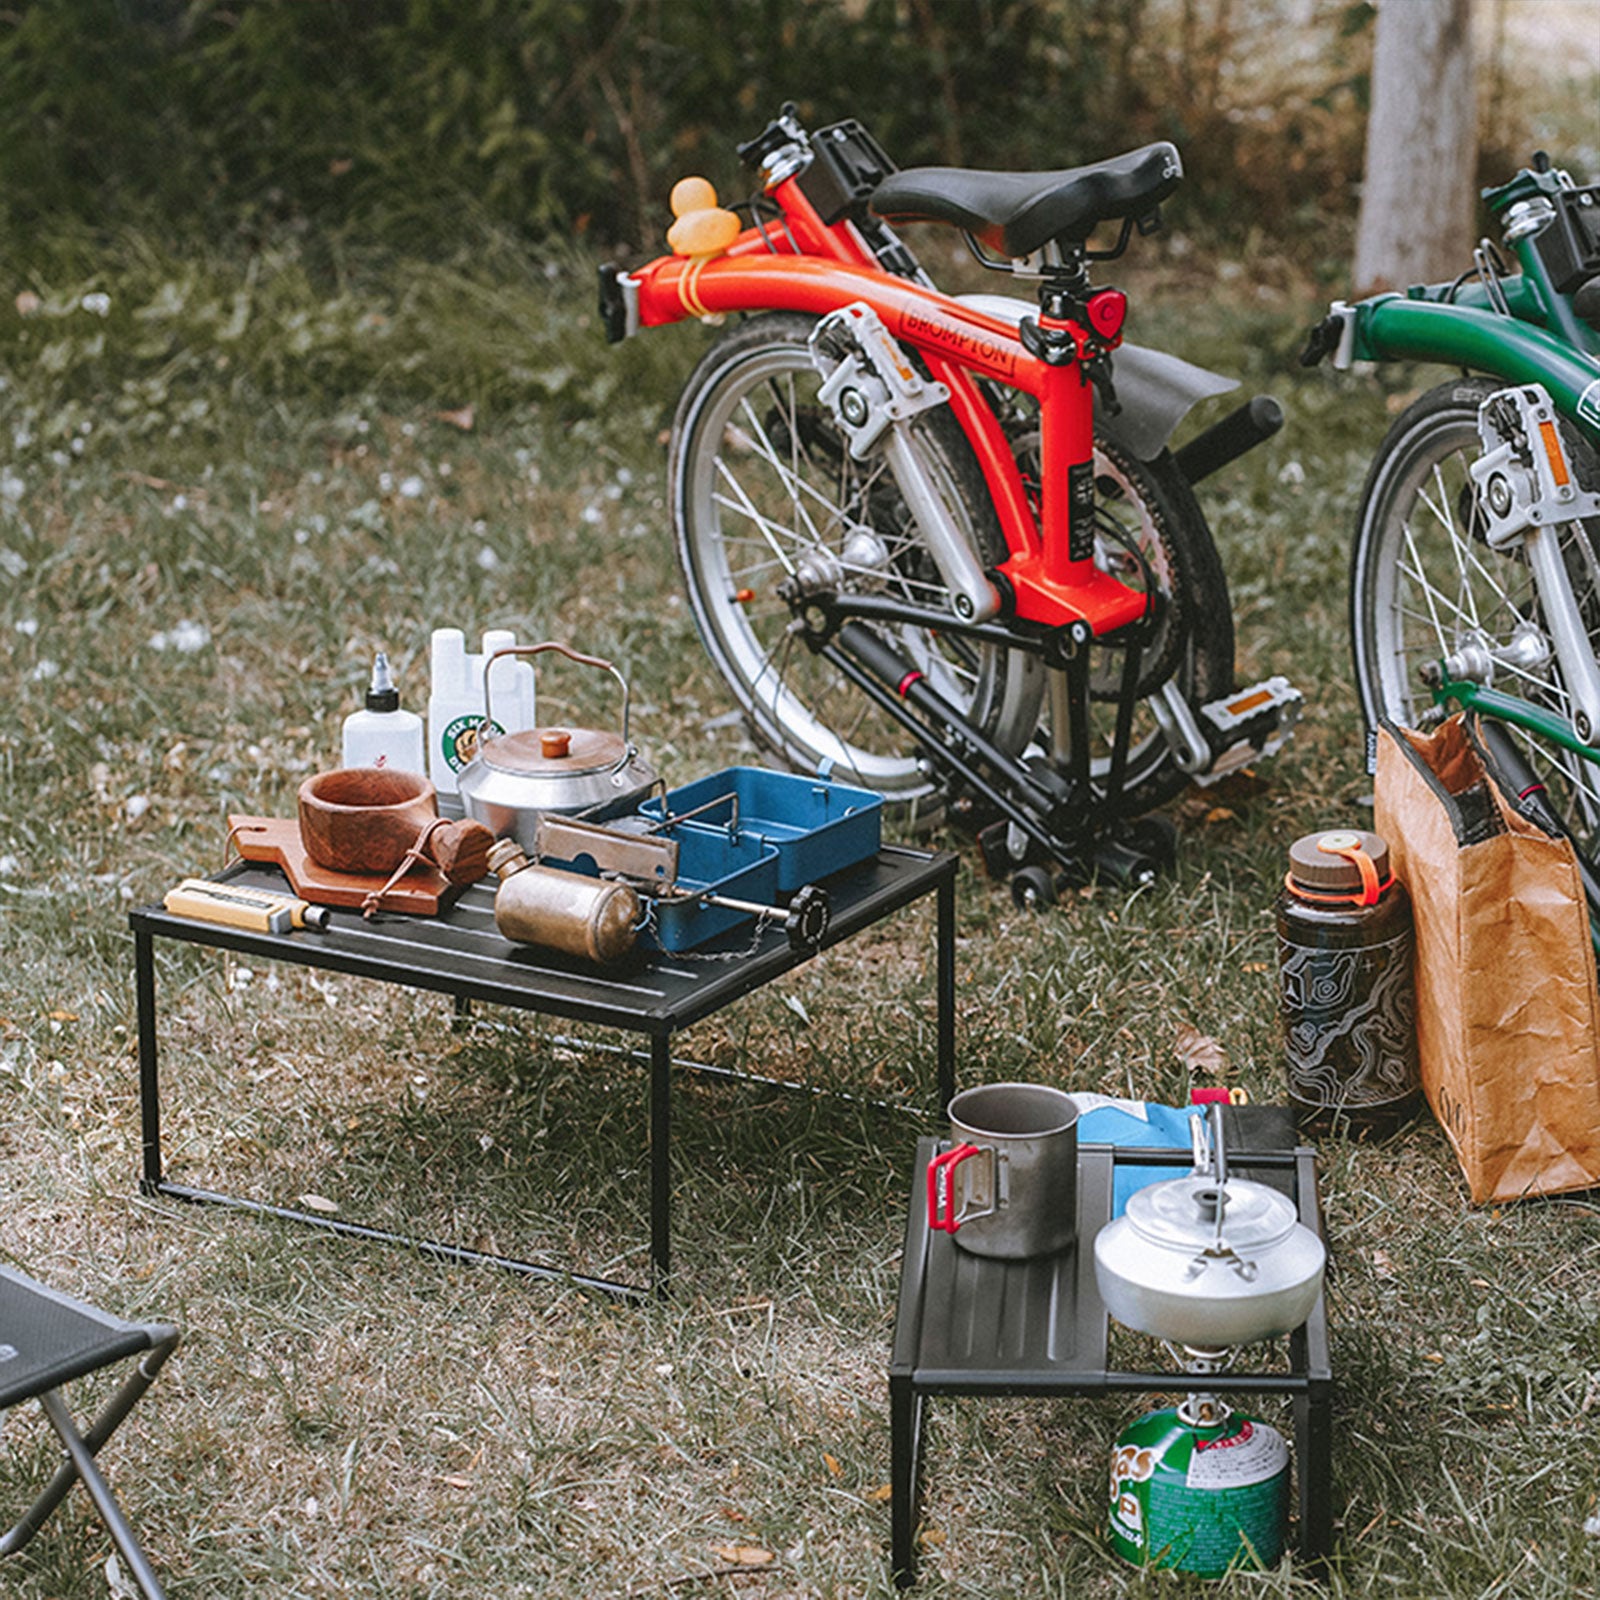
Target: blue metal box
816 826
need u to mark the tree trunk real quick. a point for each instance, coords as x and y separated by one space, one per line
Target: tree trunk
1417 197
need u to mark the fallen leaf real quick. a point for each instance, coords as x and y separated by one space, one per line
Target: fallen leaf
464 419
882 1494
1200 1053
63 1016
1218 814
832 1464
455 1480
317 1202
743 1555
931 1538
1383 1265
1258 966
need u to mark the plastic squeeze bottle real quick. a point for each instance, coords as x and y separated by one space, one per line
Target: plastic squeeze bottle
381 734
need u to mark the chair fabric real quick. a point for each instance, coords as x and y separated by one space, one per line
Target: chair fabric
48 1339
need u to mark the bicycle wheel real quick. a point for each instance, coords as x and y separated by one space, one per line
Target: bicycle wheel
1424 584
760 478
1151 533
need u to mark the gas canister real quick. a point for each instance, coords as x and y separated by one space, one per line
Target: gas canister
1199 1496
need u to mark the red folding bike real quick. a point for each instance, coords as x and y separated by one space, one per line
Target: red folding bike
937 544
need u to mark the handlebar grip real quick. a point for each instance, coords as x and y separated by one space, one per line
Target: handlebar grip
1253 423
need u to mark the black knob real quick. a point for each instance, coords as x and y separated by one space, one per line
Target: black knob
809 915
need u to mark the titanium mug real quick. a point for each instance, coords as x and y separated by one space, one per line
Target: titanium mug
1008 1185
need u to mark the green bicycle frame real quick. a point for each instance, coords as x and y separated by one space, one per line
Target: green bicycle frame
1531 336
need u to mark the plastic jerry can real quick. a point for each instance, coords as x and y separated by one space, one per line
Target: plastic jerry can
456 701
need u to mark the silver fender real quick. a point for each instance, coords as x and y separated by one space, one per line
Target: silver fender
1156 391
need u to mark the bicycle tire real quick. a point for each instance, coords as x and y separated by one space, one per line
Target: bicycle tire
758 477
1424 583
796 706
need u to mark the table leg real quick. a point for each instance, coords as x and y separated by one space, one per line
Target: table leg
661 1161
946 985
1313 1426
144 985
905 1478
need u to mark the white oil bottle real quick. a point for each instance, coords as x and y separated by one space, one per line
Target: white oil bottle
381 734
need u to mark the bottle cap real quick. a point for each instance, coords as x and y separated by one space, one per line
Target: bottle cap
382 696
1314 861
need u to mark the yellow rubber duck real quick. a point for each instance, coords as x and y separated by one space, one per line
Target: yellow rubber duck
703 228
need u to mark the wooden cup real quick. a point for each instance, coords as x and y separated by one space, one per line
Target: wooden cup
364 819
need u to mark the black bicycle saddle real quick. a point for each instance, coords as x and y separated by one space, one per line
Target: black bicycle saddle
1016 213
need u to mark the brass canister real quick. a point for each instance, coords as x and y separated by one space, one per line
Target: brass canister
564 911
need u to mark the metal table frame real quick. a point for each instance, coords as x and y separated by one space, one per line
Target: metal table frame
460 953
969 1325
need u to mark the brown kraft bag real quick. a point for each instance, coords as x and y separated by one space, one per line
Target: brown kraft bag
1508 1019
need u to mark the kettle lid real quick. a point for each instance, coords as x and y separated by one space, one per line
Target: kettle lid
1181 1213
554 752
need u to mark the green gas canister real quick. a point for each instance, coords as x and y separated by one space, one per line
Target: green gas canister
1197 1495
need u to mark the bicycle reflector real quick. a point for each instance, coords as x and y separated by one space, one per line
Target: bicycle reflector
1108 309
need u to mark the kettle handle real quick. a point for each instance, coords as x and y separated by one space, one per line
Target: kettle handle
571 655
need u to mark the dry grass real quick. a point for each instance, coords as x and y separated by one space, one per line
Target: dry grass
349 1420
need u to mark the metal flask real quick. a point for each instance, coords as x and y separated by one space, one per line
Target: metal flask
1209 1260
515 778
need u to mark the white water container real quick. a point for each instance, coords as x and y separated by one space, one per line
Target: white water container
456 706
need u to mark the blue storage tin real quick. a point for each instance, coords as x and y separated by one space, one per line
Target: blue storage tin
815 825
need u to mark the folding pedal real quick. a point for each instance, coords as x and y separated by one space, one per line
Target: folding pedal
1248 725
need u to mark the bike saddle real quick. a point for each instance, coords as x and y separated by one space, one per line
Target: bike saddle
1017 213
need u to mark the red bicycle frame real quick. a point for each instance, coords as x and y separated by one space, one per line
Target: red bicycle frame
808 266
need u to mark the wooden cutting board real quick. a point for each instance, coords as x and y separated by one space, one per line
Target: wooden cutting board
424 890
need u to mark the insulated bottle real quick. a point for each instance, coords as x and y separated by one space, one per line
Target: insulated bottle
1345 946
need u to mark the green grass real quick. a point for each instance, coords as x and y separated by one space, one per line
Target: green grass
215 502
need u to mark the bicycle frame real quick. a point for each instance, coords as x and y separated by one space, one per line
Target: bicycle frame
1521 330
812 267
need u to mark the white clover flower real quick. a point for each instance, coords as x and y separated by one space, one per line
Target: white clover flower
97 304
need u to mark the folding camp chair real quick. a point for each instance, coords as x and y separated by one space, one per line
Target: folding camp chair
46 1340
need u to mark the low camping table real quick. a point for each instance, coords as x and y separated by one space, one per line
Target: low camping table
973 1325
460 953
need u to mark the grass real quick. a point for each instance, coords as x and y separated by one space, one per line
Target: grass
216 500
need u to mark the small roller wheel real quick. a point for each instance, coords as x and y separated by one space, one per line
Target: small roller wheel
1154 836
810 912
1033 889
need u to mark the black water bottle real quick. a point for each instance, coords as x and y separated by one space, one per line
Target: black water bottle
1345 947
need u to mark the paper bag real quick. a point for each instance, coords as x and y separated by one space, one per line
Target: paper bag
1508 1020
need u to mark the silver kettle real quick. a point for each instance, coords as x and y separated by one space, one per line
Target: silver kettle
513 778
1209 1260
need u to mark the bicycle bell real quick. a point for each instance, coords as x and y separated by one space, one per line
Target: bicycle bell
513 778
1209 1260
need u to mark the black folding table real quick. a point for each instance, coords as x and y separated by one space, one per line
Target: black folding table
461 953
972 1325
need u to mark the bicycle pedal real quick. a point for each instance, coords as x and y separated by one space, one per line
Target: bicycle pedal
1249 725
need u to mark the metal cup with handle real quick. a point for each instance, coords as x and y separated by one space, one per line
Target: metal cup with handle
1008 1185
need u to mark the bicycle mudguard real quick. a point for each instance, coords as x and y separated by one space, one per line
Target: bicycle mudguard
1156 391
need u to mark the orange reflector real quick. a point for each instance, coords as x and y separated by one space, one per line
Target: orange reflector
744 596
1552 449
1249 702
